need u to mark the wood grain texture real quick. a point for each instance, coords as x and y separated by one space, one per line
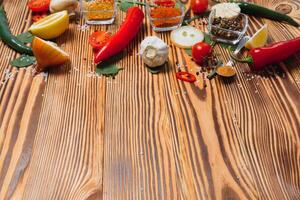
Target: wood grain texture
70 135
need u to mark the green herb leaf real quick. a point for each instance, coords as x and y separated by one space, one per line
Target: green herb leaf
188 51
23 61
108 70
125 5
208 39
25 37
155 70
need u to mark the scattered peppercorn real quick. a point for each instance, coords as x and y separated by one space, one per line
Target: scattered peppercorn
219 24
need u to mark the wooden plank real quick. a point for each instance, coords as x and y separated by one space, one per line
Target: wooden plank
68 136
140 136
177 141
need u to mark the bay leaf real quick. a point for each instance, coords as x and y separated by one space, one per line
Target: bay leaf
25 37
23 61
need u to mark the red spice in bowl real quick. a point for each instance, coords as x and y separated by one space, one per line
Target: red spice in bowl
166 16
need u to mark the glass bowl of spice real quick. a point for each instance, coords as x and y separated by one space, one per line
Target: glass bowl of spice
165 15
99 11
227 30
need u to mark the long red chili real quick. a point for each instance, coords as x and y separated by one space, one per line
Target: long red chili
127 32
274 53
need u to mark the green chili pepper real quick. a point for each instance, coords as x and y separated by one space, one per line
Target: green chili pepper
8 38
259 11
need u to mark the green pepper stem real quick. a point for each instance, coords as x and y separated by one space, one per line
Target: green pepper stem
205 14
248 59
133 2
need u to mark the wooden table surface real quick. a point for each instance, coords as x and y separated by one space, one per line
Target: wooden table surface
71 135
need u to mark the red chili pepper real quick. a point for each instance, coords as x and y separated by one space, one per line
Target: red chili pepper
185 76
122 38
274 53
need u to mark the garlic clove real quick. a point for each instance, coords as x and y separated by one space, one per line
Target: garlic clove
60 5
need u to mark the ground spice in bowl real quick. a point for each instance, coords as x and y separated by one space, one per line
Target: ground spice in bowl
166 16
99 9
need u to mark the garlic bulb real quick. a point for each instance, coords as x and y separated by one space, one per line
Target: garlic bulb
154 51
60 5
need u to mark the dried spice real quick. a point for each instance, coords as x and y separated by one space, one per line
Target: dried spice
231 25
165 16
99 9
226 71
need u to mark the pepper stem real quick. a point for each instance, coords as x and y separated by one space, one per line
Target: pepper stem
205 14
248 59
133 2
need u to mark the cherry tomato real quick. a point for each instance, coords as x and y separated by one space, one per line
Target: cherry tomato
200 51
166 3
99 38
185 76
39 5
199 6
38 17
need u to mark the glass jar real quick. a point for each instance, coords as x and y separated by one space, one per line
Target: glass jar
98 11
220 30
165 15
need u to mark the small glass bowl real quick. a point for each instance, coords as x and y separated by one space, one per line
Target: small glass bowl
226 35
160 24
101 12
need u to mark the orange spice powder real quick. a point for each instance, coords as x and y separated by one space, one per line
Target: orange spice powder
99 9
165 16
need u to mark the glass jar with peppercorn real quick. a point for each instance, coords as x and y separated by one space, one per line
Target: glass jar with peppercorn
227 30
